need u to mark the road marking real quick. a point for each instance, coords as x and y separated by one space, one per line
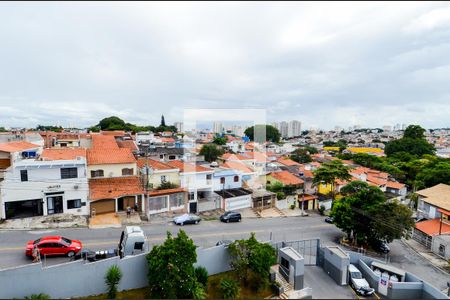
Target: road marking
353 291
193 235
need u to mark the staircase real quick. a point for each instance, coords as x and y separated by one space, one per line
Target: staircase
286 285
279 211
256 211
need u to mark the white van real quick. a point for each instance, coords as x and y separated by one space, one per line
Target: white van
132 241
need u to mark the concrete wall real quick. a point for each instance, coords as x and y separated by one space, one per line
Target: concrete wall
111 170
79 278
368 274
171 176
281 204
215 259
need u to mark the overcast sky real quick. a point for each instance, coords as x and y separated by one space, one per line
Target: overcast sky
324 64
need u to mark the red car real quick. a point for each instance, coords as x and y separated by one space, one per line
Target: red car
54 245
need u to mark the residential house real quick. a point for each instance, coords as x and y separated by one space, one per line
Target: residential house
249 177
112 172
53 183
197 180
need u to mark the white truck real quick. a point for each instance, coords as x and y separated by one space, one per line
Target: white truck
358 283
132 241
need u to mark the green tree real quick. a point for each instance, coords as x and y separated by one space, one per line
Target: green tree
364 214
112 279
230 288
211 152
220 140
412 142
171 272
311 150
271 133
112 123
252 259
40 296
329 172
301 155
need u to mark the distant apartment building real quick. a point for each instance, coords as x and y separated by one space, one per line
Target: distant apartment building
294 128
217 127
179 126
387 128
284 126
238 130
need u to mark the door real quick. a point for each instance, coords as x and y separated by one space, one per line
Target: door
54 205
120 206
45 249
58 249
193 207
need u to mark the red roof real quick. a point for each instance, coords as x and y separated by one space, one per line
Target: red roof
104 141
17 146
113 133
286 178
395 185
237 165
154 164
167 140
128 144
115 187
288 162
431 227
166 192
376 180
63 153
187 167
110 156
231 156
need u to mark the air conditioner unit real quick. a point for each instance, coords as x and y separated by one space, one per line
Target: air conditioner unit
75 187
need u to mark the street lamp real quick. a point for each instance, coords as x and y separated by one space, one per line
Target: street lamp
302 175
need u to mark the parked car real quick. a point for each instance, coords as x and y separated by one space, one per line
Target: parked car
231 216
358 283
380 246
54 245
224 242
329 220
186 219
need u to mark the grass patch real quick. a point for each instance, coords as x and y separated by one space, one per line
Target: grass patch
141 293
246 292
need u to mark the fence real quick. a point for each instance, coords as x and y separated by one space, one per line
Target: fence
307 248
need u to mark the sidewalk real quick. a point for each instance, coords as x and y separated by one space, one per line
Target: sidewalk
435 260
45 222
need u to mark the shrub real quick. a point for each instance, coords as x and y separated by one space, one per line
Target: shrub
280 195
230 288
198 292
321 210
202 276
112 279
292 206
40 296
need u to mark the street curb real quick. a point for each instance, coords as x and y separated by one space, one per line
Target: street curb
45 228
424 257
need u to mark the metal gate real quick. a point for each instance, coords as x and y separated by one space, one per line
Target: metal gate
309 249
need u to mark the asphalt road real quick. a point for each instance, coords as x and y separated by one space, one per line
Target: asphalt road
207 233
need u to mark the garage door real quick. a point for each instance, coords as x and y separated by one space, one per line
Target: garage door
238 203
104 206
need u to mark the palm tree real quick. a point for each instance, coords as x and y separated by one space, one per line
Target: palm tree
329 172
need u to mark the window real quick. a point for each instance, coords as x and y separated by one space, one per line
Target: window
285 263
139 246
236 179
191 196
127 171
23 175
176 200
157 203
65 240
172 157
163 179
161 156
76 203
97 173
222 180
67 173
208 177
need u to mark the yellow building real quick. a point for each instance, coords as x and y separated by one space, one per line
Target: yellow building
159 173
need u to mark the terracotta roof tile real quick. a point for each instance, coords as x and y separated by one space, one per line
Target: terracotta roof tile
166 192
104 141
17 146
115 187
104 156
128 144
395 185
286 178
154 164
376 180
431 227
187 167
237 165
288 162
63 153
113 133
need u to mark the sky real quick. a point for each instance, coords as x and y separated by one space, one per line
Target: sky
326 64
